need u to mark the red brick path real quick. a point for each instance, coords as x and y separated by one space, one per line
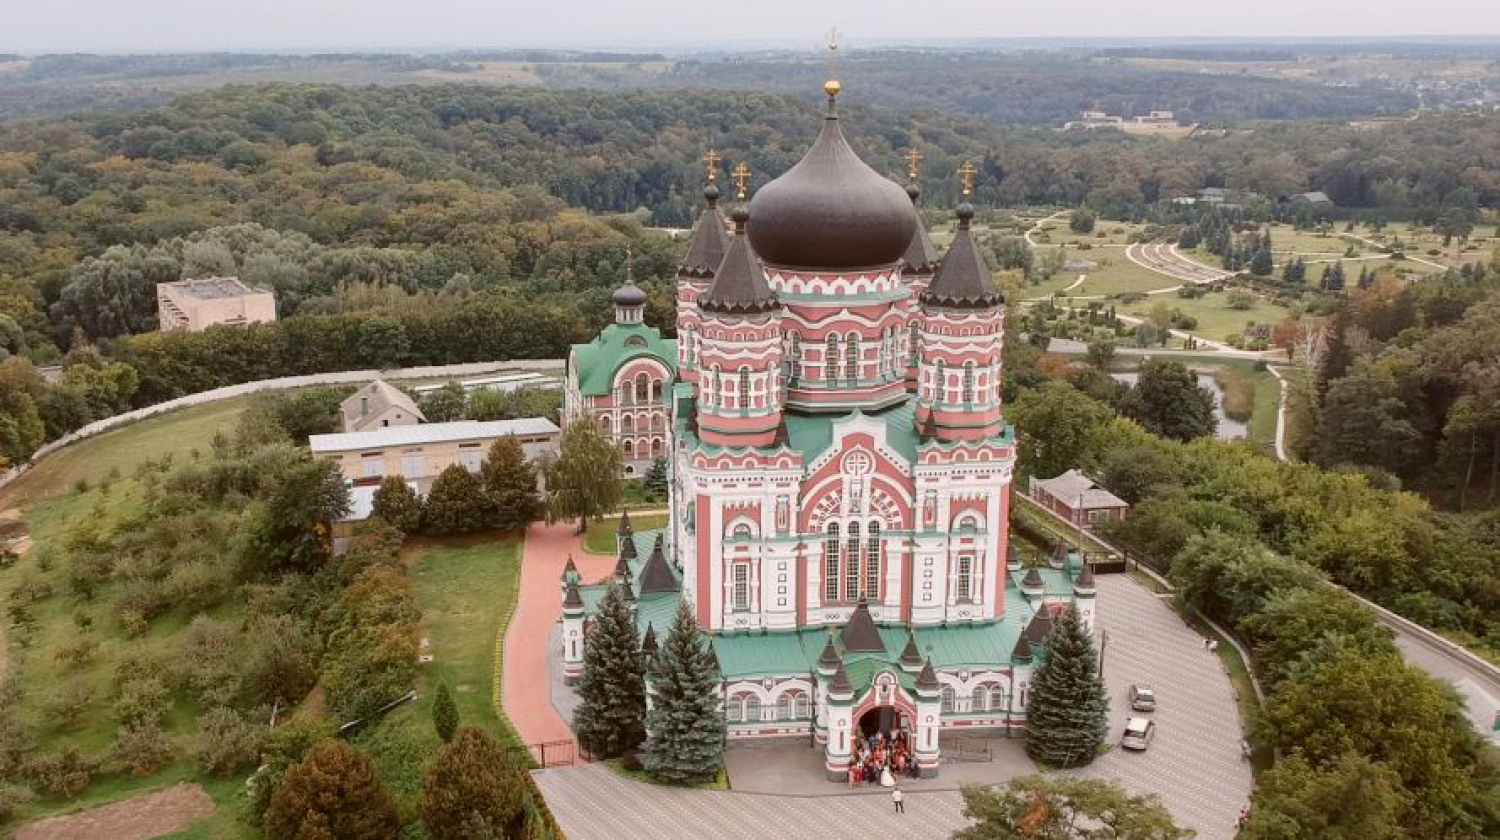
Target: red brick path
528 651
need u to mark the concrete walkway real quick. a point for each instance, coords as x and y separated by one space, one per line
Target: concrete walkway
528 651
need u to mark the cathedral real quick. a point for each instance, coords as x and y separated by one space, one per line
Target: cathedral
840 471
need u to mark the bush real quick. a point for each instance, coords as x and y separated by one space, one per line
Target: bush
333 792
12 797
281 663
199 585
142 597
286 745
1240 298
456 504
397 504
142 701
78 654
141 749
16 746
65 774
65 706
473 777
227 743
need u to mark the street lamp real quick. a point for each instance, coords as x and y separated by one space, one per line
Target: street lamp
1103 643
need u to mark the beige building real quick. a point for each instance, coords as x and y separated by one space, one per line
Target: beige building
420 452
196 305
378 405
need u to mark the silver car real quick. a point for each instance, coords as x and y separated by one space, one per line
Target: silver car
1142 698
1138 733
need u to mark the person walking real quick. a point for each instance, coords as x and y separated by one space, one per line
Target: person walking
897 798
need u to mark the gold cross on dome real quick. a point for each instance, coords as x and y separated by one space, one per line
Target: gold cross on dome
711 160
913 158
741 175
629 261
966 177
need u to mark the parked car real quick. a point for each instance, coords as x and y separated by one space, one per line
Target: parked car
1138 733
1142 698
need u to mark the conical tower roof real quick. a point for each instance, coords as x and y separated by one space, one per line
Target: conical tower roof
572 599
963 281
860 635
911 658
840 683
740 285
927 681
921 255
829 660
625 529
657 575
710 240
648 641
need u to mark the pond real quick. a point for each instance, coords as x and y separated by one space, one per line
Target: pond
1228 429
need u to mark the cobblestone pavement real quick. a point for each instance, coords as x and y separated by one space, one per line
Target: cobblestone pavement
1194 763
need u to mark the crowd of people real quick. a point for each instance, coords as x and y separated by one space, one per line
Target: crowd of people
881 758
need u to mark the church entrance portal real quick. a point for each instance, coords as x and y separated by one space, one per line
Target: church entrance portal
886 720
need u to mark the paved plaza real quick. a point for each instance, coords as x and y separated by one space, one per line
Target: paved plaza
1194 764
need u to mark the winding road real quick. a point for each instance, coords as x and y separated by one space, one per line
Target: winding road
1164 258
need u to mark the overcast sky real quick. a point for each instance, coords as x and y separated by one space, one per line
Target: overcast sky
31 26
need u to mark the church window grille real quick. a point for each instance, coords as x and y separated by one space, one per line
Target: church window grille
752 708
744 388
831 359
741 582
968 395
915 341
656 447
656 390
627 425
950 699
604 425
872 563
997 699
784 707
799 706
831 563
851 359
965 577
851 563
629 450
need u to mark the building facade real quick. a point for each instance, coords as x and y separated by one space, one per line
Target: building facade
620 382
378 405
841 472
196 305
421 452
1078 499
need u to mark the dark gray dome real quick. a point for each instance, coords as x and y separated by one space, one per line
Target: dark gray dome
831 211
629 295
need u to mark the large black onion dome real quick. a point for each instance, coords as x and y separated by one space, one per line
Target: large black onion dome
963 280
629 295
831 210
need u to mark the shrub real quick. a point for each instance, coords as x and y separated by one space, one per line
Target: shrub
199 585
77 654
397 504
1240 298
473 777
141 749
65 774
142 701
141 597
456 504
227 743
281 663
12 797
67 704
333 792
444 714
286 745
16 746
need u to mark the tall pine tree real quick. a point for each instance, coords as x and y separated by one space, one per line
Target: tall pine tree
611 715
686 744
1066 715
510 481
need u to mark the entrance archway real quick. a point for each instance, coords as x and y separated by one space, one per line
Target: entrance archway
886 720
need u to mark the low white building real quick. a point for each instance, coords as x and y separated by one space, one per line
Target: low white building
419 453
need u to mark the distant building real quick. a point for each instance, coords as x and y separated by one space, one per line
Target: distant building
196 305
502 382
1311 199
1155 122
378 406
1078 499
620 381
420 452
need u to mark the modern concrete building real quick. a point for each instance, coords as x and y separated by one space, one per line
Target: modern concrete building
377 406
419 453
196 305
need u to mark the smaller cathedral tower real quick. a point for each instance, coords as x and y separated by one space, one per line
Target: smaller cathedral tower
962 318
917 267
705 253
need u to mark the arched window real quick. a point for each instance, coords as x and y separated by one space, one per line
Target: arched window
968 395
976 699
940 383
915 340
627 425
799 706
744 388
851 563
831 359
851 359
656 447
794 355
831 563
656 390
629 449
642 388
604 424
950 699
997 698
752 708
658 421
872 563
622 394
785 707
742 531
687 345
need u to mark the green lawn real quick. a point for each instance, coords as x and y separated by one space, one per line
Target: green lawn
1216 319
1115 233
600 538
1117 275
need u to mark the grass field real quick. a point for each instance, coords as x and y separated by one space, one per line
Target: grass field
600 538
1216 319
1057 232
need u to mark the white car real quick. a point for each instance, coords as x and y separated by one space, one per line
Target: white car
1138 733
1142 698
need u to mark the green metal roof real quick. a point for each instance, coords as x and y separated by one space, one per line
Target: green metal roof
597 361
811 434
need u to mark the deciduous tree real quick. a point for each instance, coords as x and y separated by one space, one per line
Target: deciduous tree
1167 400
510 480
583 481
1063 808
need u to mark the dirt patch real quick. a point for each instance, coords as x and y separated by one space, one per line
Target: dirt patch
137 818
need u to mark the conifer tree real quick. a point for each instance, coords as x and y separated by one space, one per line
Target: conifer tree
1066 715
397 504
456 504
656 479
510 481
333 792
611 715
473 790
1261 262
444 713
686 744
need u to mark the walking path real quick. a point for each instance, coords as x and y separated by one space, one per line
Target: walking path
1164 258
1381 248
1037 228
528 652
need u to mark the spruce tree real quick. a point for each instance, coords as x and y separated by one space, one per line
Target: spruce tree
397 504
510 481
611 715
1066 715
686 744
472 789
1261 263
444 713
333 792
456 504
656 479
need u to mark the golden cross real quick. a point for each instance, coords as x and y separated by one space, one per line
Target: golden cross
629 261
741 175
966 177
833 52
712 161
913 157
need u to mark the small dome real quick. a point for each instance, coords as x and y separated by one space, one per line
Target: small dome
629 295
831 211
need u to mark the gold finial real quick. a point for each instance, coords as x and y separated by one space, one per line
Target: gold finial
630 261
832 87
741 176
913 158
966 178
711 160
